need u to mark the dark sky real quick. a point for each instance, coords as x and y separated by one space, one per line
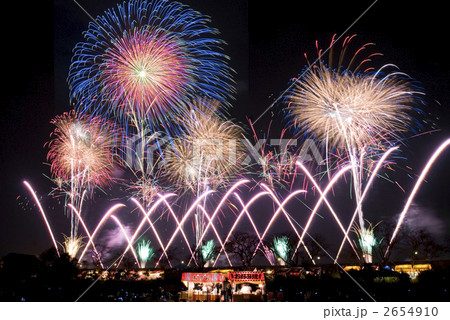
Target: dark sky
266 42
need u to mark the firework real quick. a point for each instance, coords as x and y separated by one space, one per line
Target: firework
145 252
358 112
417 185
140 159
272 251
209 252
141 151
81 150
88 234
209 153
72 245
147 219
348 109
41 210
366 189
277 168
81 156
282 248
145 59
367 241
200 228
99 225
244 210
145 189
268 254
207 156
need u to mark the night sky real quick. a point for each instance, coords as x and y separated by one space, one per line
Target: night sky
266 42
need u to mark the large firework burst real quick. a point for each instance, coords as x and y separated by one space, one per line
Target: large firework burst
145 58
353 110
81 150
348 109
211 150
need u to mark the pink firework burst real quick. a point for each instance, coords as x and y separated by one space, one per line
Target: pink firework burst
144 71
81 149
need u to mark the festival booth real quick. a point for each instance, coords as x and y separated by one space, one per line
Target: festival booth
201 286
247 285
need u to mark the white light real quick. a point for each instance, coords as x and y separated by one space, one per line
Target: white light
142 74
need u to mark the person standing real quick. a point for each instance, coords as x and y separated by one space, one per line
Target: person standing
226 291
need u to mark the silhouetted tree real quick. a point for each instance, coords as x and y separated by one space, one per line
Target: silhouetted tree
383 233
48 256
98 256
242 245
316 245
421 246
58 269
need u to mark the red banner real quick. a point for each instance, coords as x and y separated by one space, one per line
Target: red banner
202 277
246 276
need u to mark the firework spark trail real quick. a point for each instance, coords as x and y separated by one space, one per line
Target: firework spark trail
206 156
222 201
245 207
86 230
422 176
102 221
366 240
343 270
288 217
338 221
177 222
244 210
43 215
130 244
139 152
186 215
319 202
279 209
366 189
147 217
83 195
268 254
248 215
205 213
